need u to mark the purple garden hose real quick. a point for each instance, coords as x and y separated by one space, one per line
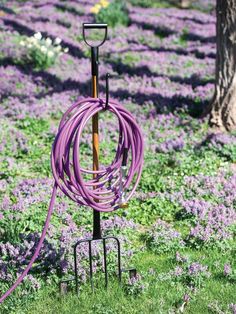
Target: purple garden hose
103 192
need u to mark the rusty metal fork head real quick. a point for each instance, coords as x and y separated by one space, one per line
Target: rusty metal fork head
90 242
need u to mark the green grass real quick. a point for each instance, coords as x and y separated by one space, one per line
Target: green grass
165 172
170 3
158 298
151 4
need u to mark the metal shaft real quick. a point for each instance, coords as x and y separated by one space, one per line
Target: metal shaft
95 136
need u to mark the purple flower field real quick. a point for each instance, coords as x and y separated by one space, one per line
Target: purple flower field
180 226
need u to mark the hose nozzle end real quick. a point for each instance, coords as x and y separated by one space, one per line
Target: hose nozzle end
124 205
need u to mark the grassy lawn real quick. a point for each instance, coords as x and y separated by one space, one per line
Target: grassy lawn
158 298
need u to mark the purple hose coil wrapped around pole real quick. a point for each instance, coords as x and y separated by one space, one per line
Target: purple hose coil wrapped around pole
69 175
101 193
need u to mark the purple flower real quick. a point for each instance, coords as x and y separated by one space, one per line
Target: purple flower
163 238
227 269
233 308
135 285
171 145
178 271
179 258
186 298
196 268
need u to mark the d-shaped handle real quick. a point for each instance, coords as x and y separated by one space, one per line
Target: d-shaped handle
94 26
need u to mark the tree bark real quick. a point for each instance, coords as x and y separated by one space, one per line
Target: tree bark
223 109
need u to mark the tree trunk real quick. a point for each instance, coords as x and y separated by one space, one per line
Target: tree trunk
223 109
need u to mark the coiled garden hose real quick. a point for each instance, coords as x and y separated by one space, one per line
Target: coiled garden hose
108 188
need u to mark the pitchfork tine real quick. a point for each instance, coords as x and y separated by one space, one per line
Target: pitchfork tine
105 262
76 270
91 265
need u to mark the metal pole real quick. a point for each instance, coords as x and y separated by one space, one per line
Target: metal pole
95 136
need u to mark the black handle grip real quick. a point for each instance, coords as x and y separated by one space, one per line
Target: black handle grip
94 26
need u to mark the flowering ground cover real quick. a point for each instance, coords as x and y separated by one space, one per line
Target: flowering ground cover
179 229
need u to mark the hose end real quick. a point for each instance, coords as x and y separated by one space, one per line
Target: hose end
123 203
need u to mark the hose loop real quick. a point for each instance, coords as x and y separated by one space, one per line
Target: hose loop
102 191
